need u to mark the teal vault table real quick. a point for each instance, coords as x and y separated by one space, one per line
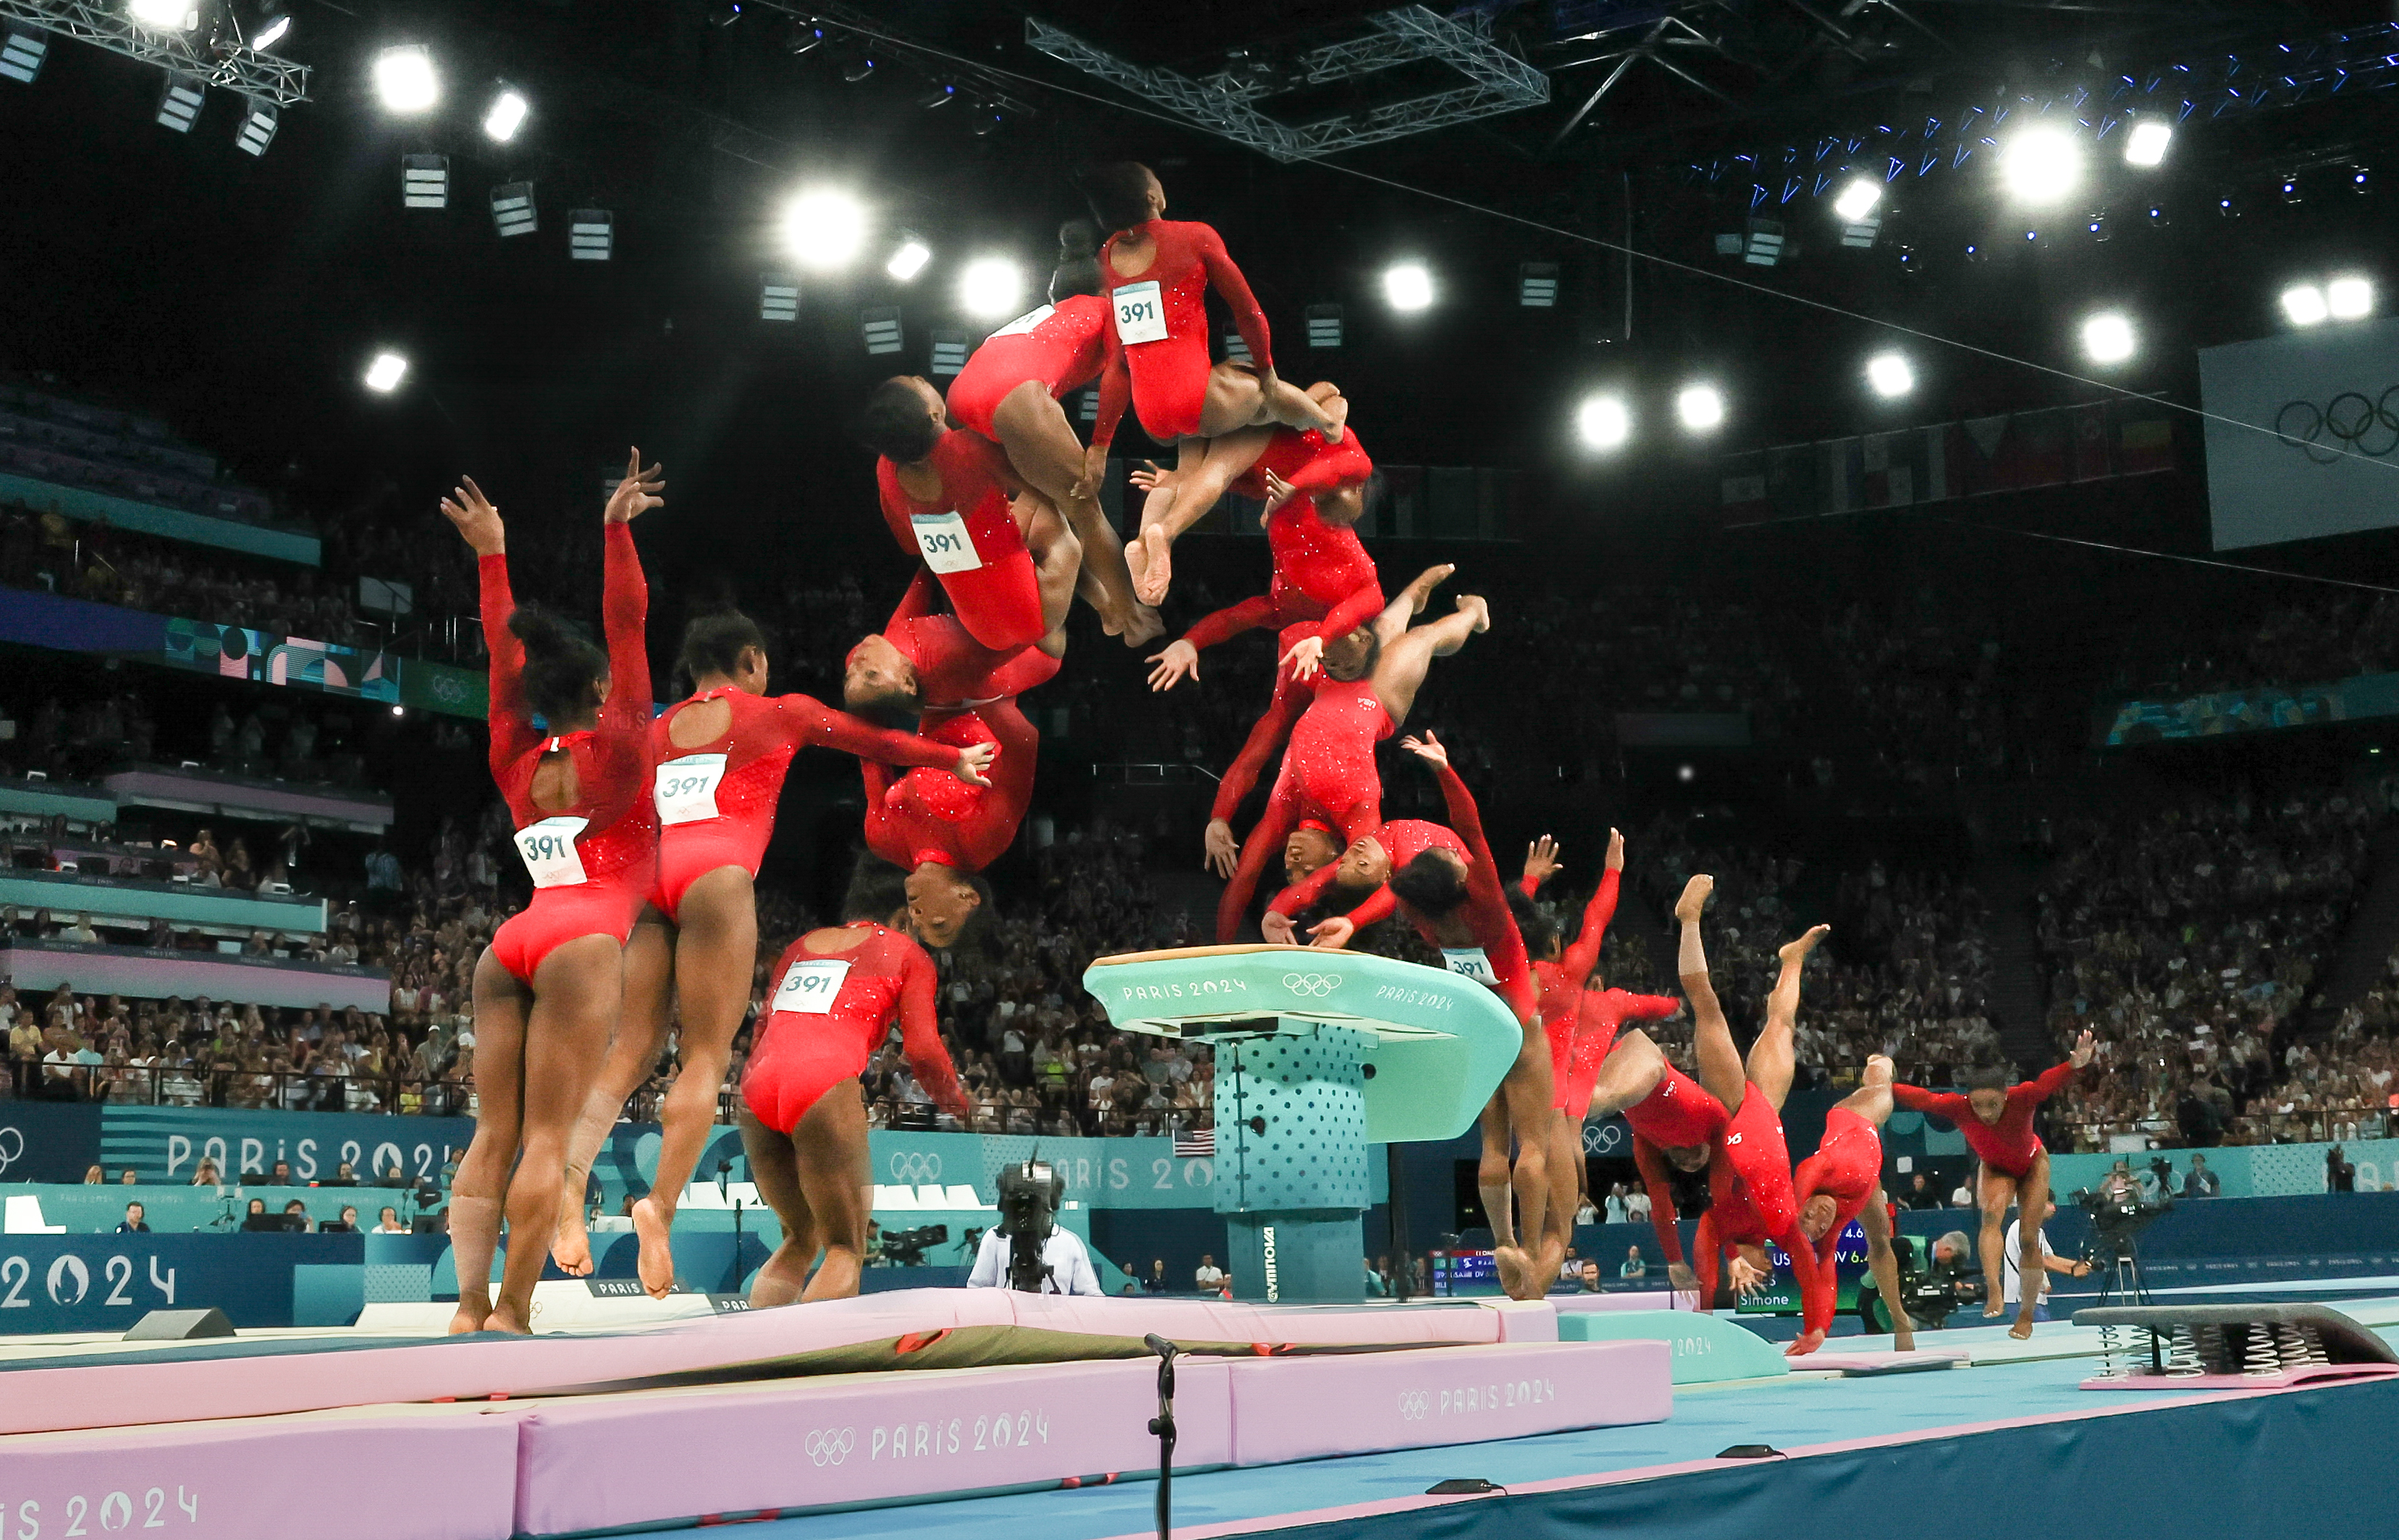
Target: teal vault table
1318 1054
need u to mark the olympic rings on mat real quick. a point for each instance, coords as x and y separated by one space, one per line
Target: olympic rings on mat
830 1449
1415 1405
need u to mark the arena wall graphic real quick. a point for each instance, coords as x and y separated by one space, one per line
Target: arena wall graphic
2303 433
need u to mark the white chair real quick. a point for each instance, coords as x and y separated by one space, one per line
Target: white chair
23 1217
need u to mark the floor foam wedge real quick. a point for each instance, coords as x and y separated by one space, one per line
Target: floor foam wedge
912 1328
589 1464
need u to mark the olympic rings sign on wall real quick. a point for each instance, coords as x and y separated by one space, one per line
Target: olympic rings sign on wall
830 1449
1312 986
915 1167
12 1146
2355 424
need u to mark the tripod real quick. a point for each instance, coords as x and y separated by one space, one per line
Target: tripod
2118 1266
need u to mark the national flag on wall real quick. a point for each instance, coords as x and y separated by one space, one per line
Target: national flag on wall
1200 1144
2144 439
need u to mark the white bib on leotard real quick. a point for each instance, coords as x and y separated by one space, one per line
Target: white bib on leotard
685 789
944 539
1140 312
550 854
1026 322
811 985
1468 963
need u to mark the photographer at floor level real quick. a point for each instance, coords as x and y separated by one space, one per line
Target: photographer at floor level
1026 1251
2010 1273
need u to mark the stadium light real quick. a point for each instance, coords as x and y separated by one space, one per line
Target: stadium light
275 30
506 115
2040 165
590 234
1603 422
879 328
779 297
257 131
1409 286
165 15
1536 285
1323 326
513 212
1701 408
2349 298
2108 337
991 288
910 259
2304 304
2146 145
425 181
179 105
21 54
1858 199
404 79
384 373
1890 374
824 228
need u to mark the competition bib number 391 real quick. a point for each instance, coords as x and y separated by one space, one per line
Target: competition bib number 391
1140 315
685 789
550 854
944 539
811 985
1470 963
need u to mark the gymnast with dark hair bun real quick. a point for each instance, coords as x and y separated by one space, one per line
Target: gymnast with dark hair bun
548 988
721 755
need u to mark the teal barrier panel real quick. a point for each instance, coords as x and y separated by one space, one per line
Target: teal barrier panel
43 799
170 1141
174 901
198 529
1706 1348
94 1283
2250 1171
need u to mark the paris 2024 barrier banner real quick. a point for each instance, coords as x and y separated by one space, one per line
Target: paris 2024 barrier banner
42 1142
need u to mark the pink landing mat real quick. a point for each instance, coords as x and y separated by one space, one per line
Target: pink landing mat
2322 1373
907 1329
796 1445
423 1473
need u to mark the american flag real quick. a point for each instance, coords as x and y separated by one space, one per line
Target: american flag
1199 1144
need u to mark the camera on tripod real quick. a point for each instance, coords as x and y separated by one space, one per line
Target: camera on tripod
907 1248
2116 1218
1029 1196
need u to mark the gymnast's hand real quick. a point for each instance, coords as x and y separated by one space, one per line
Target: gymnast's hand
1541 861
637 494
475 518
973 761
1808 1343
1276 927
2084 1047
1151 478
1747 1277
1427 748
1279 492
1178 662
1306 657
1331 934
1223 854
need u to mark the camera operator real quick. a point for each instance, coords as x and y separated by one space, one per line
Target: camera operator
1050 1259
1953 1267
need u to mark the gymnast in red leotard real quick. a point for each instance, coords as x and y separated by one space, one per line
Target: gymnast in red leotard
1314 494
1329 770
1008 393
547 989
1456 902
1750 1195
1156 273
1996 1120
721 757
1843 1182
835 993
1005 556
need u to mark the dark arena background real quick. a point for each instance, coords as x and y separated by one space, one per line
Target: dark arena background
838 766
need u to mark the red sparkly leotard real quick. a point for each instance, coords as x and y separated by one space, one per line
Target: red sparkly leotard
1603 1014
1678 1114
1846 1167
2008 1145
1561 984
915 818
1320 571
1061 345
592 863
953 669
829 1013
969 538
1157 343
1268 734
1496 958
1329 771
1750 1199
1403 840
716 800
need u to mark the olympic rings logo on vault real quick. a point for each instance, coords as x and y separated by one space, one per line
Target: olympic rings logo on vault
1312 986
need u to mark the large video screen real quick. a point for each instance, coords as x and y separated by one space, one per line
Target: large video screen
2321 454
